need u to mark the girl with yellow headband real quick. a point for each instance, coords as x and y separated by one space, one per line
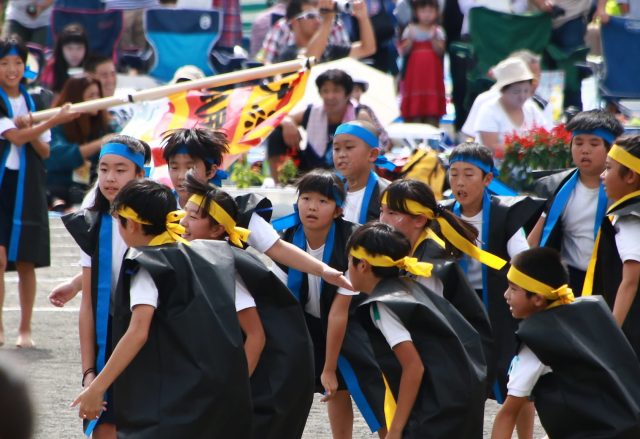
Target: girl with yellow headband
614 269
121 160
431 357
573 360
276 342
177 342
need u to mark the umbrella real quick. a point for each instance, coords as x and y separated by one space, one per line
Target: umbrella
381 96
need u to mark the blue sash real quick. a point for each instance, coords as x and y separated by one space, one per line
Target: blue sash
103 300
12 252
368 192
560 201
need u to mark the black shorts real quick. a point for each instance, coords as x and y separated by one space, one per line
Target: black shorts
275 144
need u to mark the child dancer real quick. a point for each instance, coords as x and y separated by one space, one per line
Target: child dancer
582 387
344 360
431 356
178 365
24 224
277 344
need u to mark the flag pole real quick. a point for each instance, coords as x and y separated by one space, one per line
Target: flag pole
169 89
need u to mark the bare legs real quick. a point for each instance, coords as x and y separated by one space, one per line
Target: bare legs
27 290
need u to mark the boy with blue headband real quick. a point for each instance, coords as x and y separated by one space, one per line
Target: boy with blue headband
430 355
344 361
499 221
169 380
614 268
573 360
355 153
577 201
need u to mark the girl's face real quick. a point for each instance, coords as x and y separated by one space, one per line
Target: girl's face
316 211
90 93
11 72
114 171
74 53
198 226
427 15
402 222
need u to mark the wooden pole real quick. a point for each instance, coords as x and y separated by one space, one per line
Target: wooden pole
166 90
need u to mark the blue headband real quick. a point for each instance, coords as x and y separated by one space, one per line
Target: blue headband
603 133
183 149
124 151
475 162
367 137
28 73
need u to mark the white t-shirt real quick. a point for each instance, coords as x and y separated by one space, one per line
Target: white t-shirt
578 219
262 236
353 205
431 282
244 299
19 107
143 290
493 119
524 372
469 127
627 237
516 244
389 324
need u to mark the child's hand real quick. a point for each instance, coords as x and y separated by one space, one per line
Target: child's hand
62 293
65 115
335 277
91 403
24 121
330 383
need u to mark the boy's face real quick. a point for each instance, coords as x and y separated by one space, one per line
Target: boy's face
114 171
615 185
588 153
468 184
179 165
132 233
316 211
520 305
356 275
351 156
198 226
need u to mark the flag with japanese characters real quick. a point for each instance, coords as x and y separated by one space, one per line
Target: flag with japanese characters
247 115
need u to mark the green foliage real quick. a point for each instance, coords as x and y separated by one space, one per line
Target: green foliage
245 175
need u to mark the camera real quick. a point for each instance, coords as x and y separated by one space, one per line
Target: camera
343 6
32 10
557 11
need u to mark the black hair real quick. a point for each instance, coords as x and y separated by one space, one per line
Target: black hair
14 40
71 33
415 4
209 194
337 77
294 8
323 182
202 143
475 151
543 264
401 190
15 403
631 144
93 60
101 204
594 119
380 239
152 201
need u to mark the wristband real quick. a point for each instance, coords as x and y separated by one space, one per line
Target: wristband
87 372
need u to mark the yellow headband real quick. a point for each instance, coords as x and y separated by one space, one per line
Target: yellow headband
412 265
237 235
625 158
173 232
560 296
452 235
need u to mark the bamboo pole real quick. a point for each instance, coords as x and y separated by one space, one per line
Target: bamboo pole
166 90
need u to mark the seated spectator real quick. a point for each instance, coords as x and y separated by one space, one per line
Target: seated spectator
320 120
71 50
75 144
29 19
262 24
281 36
533 62
312 28
512 111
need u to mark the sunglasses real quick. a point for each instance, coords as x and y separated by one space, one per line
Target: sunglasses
308 15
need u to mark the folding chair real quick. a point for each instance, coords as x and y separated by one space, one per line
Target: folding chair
180 37
103 28
621 56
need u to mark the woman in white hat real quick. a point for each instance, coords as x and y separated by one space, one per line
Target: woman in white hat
511 111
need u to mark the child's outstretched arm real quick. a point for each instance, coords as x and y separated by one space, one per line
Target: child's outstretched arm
67 290
337 326
91 399
255 339
627 290
410 380
536 233
506 418
291 256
